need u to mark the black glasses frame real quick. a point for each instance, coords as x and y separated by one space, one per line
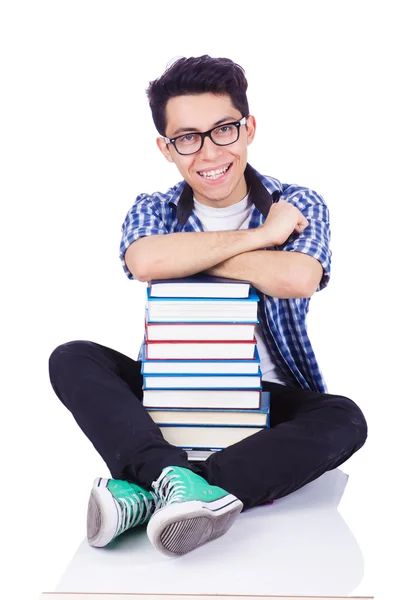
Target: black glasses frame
205 134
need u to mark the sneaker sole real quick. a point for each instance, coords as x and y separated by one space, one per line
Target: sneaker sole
102 515
181 527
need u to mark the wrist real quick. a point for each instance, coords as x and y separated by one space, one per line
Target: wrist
257 240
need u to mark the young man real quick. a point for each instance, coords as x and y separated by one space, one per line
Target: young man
225 219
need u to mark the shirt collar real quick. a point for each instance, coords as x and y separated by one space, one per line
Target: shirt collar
261 197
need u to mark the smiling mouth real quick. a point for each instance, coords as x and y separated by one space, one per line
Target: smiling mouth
215 174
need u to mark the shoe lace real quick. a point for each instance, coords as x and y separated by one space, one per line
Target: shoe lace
169 487
135 509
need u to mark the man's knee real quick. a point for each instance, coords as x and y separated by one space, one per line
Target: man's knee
353 420
64 352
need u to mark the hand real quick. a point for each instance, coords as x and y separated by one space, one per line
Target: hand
282 220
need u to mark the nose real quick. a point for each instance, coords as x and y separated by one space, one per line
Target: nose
209 149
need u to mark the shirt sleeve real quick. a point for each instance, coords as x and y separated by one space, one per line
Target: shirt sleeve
142 219
314 240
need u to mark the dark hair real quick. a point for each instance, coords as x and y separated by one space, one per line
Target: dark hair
197 75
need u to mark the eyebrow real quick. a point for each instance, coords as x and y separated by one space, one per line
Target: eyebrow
193 129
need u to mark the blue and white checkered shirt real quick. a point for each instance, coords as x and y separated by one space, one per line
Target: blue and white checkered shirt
283 320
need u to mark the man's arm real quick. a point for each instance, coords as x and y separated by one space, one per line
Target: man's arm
182 254
300 266
274 272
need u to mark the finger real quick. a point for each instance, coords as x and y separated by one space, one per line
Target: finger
301 226
303 223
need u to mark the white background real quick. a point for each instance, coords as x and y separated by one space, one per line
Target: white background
77 146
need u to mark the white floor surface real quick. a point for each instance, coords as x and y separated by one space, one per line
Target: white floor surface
298 546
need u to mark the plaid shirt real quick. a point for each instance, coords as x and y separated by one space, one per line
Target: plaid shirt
283 320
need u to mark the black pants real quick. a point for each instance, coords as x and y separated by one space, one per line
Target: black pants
310 433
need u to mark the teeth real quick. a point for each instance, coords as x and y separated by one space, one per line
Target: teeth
213 174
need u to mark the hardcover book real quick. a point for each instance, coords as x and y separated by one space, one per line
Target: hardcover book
203 309
200 349
202 454
201 398
199 331
259 417
206 436
200 285
217 367
202 381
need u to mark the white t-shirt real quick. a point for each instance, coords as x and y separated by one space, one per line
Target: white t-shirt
235 217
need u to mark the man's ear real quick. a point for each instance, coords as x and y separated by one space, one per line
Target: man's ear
251 128
164 149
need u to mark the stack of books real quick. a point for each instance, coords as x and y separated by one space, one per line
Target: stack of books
202 382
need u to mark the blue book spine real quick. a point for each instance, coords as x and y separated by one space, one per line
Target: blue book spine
253 297
242 378
234 361
264 407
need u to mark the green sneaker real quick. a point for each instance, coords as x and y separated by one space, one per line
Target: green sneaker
190 511
114 507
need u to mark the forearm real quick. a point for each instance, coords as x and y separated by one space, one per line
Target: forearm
274 272
182 254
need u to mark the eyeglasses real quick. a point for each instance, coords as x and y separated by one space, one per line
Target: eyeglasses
223 135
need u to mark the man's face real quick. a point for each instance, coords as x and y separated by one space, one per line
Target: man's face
199 113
